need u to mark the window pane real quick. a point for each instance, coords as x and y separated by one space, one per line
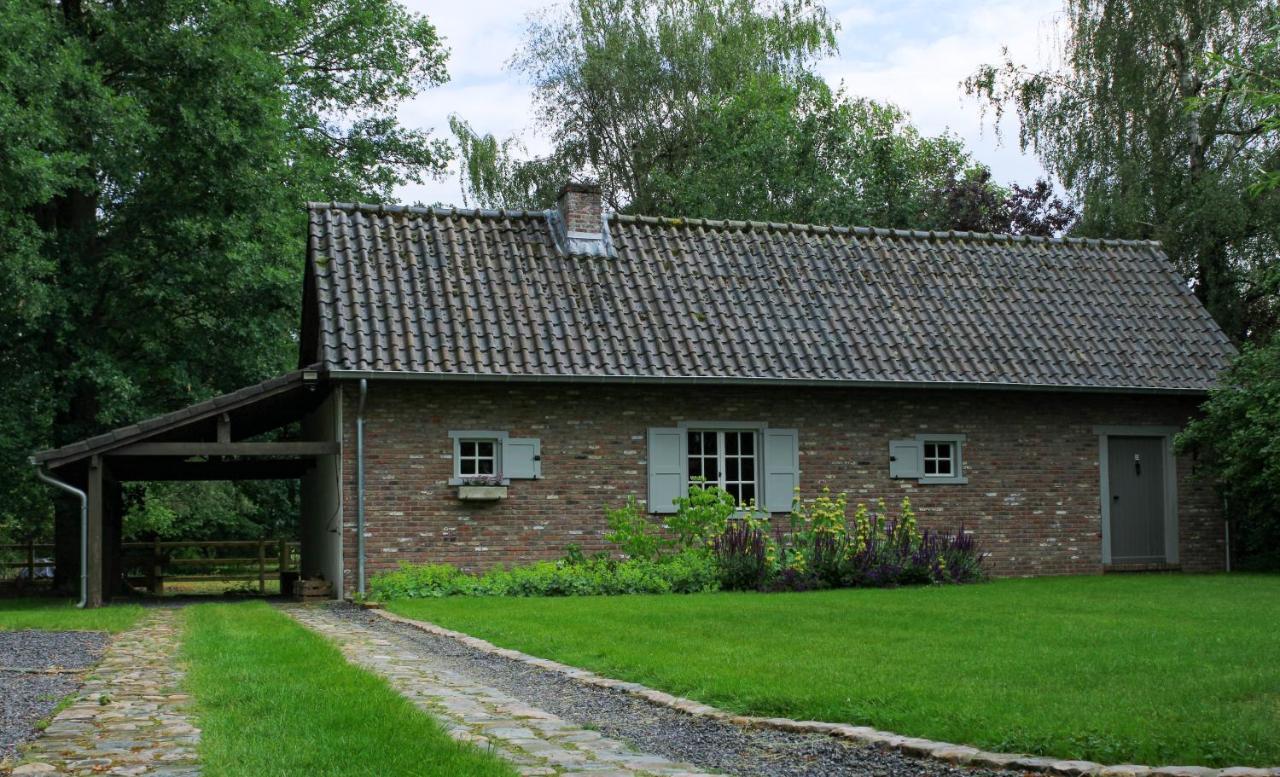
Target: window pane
930 450
709 446
748 442
735 491
486 466
748 469
467 466
467 448
747 493
930 466
695 443
695 467
485 449
730 469
731 444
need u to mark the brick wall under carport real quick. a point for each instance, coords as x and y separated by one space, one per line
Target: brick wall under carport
1031 459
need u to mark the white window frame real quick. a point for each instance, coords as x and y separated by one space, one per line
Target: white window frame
458 437
720 428
956 441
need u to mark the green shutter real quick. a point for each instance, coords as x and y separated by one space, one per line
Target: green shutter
781 468
904 459
521 458
666 469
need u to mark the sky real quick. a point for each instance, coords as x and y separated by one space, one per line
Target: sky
913 53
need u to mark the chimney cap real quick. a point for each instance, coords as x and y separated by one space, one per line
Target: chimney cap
581 187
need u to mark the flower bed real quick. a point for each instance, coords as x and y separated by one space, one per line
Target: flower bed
711 544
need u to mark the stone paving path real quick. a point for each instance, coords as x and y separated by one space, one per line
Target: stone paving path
129 718
537 742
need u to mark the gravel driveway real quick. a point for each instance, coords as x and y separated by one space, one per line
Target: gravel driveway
709 744
28 691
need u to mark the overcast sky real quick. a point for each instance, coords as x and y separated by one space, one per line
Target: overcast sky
911 52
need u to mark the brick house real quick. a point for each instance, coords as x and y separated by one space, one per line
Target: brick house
486 382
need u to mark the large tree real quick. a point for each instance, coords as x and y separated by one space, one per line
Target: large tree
1156 139
154 161
708 108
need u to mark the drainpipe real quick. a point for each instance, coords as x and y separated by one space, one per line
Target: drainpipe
84 529
364 390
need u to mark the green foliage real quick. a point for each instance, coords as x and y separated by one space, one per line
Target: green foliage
687 572
1236 443
154 161
709 108
700 515
1157 140
632 531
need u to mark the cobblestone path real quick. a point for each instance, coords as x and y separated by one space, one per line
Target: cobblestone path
129 716
537 742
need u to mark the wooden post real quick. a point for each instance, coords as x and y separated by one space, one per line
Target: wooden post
93 567
31 561
157 569
262 566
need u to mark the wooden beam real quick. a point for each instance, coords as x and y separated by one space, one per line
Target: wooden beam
187 449
239 469
224 428
93 563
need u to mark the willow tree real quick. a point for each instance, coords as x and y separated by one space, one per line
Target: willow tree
707 108
1157 140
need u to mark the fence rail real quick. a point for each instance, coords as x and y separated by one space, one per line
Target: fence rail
153 563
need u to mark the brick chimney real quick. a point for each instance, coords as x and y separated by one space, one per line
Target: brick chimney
580 208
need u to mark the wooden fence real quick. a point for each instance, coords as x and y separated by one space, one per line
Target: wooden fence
152 564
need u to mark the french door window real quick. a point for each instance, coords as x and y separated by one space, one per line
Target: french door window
726 459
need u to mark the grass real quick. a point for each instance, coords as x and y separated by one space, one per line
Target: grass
276 700
63 615
1146 669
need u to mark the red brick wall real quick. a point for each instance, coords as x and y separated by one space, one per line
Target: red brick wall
1031 460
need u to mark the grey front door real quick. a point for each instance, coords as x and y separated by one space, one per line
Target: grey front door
1135 477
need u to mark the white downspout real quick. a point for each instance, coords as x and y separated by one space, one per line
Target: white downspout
84 528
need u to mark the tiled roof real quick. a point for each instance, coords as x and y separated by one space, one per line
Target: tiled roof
491 294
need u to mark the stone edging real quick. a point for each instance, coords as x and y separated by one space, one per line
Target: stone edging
861 735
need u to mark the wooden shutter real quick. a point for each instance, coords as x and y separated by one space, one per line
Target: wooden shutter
781 468
666 469
904 459
522 458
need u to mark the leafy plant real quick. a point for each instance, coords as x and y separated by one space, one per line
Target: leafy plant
632 531
741 557
701 515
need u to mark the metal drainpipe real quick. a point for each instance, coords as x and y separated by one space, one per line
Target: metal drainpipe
364 390
84 529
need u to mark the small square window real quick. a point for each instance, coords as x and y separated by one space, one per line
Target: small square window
477 457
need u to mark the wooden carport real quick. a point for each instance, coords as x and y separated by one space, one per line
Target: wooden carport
218 439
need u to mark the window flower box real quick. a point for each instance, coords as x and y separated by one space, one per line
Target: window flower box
482 489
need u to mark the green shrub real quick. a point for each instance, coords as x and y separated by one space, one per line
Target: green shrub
702 515
691 572
632 531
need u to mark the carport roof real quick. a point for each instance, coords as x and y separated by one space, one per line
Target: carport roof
262 406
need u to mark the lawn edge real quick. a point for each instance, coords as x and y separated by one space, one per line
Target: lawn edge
946 752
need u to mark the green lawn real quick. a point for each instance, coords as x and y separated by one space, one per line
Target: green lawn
274 699
63 615
1146 669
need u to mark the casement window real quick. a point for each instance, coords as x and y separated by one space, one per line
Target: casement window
724 458
493 454
928 458
749 460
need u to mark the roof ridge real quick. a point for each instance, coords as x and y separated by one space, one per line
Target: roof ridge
739 224
423 210
914 234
